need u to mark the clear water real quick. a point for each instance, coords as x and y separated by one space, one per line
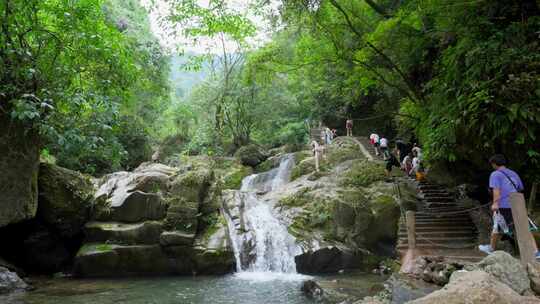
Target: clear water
245 288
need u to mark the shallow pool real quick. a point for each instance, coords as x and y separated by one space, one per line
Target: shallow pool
252 288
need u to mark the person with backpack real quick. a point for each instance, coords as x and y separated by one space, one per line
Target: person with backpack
391 161
502 182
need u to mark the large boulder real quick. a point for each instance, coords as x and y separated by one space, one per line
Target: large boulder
10 281
250 155
65 199
328 260
475 287
19 164
134 196
506 269
98 260
146 233
533 269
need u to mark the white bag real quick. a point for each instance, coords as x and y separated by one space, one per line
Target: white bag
499 223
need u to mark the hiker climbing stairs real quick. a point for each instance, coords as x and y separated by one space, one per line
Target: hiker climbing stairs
443 226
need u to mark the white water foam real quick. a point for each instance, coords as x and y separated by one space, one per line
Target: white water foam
264 249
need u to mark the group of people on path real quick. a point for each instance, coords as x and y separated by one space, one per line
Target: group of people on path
405 156
502 182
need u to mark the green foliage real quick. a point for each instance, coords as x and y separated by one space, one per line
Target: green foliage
68 71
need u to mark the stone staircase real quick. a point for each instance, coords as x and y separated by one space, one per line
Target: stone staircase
443 226
369 147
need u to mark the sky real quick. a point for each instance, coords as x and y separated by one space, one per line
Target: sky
206 45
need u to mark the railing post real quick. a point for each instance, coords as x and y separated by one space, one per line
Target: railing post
411 228
532 198
526 242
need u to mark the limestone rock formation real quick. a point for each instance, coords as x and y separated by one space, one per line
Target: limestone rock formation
65 199
533 269
156 220
475 287
19 164
506 269
250 155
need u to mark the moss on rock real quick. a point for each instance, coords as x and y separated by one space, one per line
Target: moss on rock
250 155
65 198
363 173
233 179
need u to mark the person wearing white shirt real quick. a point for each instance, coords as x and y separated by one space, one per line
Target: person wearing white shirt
374 140
384 148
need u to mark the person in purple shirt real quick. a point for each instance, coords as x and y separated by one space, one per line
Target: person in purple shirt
502 182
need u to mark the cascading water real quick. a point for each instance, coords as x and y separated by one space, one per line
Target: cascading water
260 241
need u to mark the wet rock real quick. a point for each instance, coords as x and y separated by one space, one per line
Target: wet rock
403 288
475 287
97 260
176 238
328 260
506 269
65 199
123 233
434 270
10 281
533 270
19 164
212 261
312 290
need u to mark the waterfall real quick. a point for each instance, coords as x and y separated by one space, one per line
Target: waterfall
260 241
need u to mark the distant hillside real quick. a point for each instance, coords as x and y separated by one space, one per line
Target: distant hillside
182 80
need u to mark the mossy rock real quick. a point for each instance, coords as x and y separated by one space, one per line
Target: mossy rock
233 179
250 155
267 165
298 199
65 199
306 166
105 260
192 185
182 215
384 227
122 233
19 165
337 155
363 173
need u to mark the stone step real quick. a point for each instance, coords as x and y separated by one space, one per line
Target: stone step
437 246
438 199
443 226
443 222
442 239
429 234
420 215
421 228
